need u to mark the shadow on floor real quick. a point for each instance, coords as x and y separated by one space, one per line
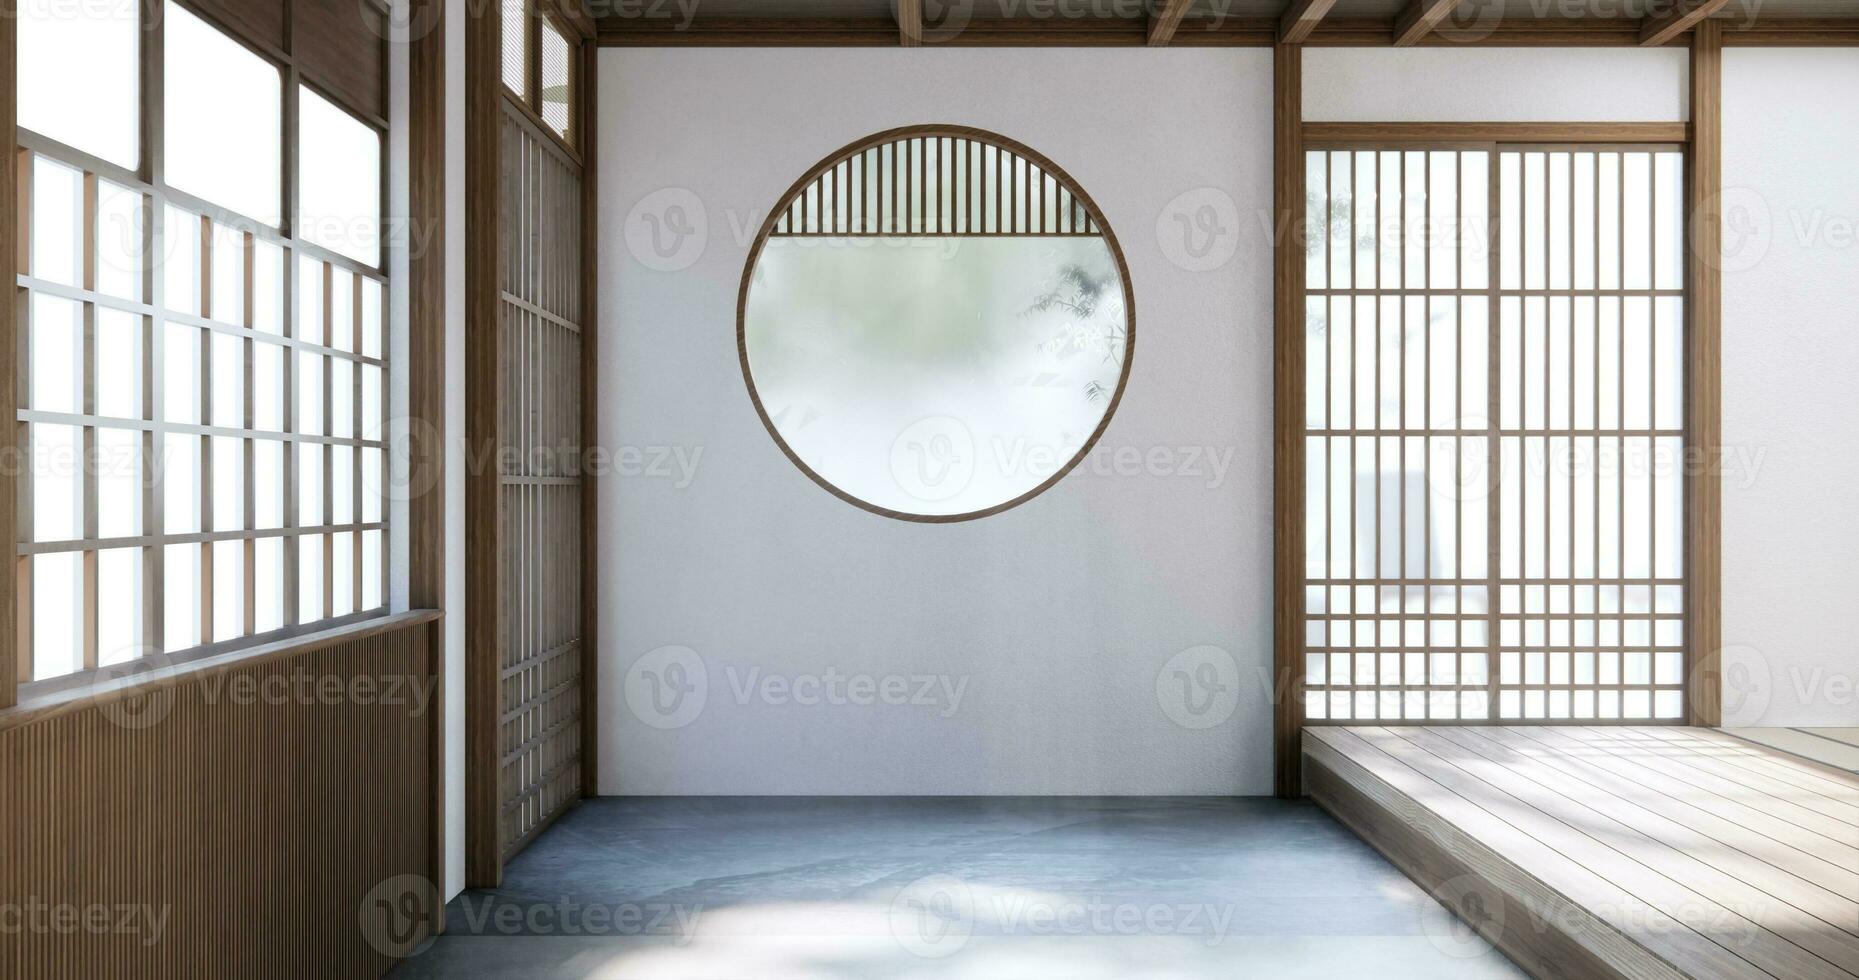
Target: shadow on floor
950 887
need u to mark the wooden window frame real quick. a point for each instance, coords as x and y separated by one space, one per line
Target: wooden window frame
147 180
1702 139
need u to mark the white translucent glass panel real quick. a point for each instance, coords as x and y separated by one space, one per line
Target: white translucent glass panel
119 363
267 387
228 483
228 590
310 393
311 554
371 300
227 271
181 590
120 482
371 460
180 260
371 394
119 632
57 222
228 375
342 396
309 462
180 483
267 483
515 23
371 571
57 610
310 292
339 179
268 584
57 482
224 104
56 379
79 75
122 232
341 309
267 287
342 573
1549 425
181 373
342 484
557 80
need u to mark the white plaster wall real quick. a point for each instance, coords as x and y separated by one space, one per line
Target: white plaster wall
1448 84
1791 386
1054 619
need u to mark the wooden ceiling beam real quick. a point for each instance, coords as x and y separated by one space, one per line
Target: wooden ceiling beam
1419 19
1301 18
1679 17
1164 22
910 23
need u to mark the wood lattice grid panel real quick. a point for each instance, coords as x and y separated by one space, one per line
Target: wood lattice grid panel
1482 322
198 441
541 481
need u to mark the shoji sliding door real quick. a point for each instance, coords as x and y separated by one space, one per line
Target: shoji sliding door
532 357
1495 434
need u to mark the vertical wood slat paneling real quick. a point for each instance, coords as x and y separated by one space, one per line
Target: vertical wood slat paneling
1704 384
254 824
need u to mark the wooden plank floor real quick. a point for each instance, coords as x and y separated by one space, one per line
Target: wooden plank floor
1631 852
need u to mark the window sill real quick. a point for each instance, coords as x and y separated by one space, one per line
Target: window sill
118 681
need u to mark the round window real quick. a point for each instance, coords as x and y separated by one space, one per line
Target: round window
935 324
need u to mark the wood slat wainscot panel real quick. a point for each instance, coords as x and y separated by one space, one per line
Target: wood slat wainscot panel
268 814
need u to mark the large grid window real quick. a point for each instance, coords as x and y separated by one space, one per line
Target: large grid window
1494 434
203 391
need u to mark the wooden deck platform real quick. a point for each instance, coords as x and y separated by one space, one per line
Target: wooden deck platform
1629 852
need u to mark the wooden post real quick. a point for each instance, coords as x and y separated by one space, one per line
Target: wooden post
1288 418
1704 390
10 252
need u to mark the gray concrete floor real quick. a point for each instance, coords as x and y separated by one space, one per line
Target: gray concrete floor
951 887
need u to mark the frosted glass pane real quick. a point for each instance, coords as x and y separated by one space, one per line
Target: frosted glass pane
267 387
995 344
370 569
515 23
339 179
122 223
371 486
57 485
119 631
341 484
342 398
180 260
181 597
57 605
1475 206
371 402
1317 203
310 578
309 390
309 484
342 574
557 82
119 363
228 483
267 483
180 483
309 325
79 76
1669 221
57 222
228 381
1637 215
57 333
223 105
268 584
267 287
1443 218
342 309
228 267
228 589
119 483
370 318
180 380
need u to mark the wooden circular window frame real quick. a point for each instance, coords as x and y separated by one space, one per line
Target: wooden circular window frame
987 138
